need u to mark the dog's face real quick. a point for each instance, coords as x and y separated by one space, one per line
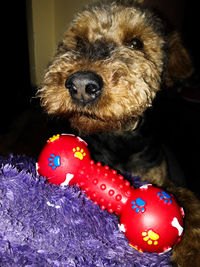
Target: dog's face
109 67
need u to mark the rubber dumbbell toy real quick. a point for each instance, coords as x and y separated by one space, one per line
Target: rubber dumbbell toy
150 218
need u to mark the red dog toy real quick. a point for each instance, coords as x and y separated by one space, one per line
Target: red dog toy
149 217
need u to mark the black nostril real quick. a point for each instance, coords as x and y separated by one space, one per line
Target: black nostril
72 88
84 86
70 85
92 88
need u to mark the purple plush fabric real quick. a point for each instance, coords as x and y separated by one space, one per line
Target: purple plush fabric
45 225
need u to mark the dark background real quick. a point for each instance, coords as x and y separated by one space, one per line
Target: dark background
15 90
178 119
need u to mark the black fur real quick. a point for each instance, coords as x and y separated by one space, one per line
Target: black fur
99 50
128 151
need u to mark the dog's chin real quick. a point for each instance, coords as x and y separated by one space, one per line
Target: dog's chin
85 124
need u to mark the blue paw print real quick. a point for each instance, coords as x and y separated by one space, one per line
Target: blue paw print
138 205
164 196
54 161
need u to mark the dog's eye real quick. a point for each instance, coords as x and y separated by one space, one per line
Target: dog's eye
135 43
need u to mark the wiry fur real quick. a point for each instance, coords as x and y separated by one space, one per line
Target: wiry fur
99 40
99 43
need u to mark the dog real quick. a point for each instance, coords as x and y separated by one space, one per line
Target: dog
114 58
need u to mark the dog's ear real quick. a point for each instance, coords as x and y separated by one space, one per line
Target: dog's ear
179 64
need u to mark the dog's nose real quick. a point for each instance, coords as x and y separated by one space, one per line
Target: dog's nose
84 86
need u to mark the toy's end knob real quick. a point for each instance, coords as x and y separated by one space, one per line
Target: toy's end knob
63 155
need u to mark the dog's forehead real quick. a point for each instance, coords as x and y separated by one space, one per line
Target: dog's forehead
114 23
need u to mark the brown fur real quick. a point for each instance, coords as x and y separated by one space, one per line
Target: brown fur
131 79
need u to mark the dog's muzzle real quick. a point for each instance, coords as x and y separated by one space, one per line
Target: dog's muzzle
84 86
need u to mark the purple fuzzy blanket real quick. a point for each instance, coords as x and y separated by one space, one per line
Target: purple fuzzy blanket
45 225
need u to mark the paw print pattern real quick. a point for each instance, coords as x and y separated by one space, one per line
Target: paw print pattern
164 196
138 205
54 161
53 138
79 153
150 237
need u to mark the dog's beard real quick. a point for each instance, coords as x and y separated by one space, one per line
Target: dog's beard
87 123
